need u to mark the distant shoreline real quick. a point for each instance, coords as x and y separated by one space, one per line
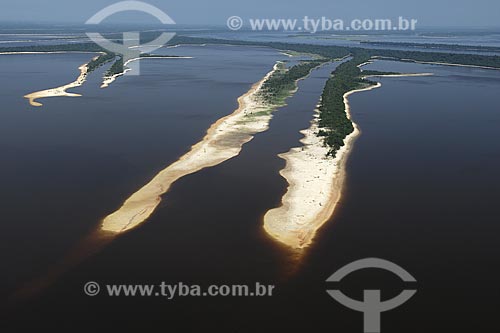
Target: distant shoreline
433 63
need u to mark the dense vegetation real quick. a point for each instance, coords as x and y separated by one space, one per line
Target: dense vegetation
375 73
73 47
116 68
451 58
119 67
104 57
331 52
281 82
334 123
99 61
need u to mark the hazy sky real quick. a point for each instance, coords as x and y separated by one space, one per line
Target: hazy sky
428 12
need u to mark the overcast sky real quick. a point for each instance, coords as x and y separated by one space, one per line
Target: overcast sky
479 13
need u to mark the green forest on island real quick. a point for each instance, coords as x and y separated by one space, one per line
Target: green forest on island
333 121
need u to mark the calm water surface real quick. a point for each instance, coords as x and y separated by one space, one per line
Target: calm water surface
421 191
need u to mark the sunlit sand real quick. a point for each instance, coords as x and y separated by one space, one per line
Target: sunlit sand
223 141
59 91
315 183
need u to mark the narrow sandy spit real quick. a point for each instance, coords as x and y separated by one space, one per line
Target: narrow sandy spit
107 80
62 90
315 183
223 140
59 91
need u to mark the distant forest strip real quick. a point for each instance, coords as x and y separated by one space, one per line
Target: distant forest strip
451 47
331 52
104 57
73 47
334 122
336 52
377 73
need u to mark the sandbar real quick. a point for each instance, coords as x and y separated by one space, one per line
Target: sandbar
315 182
59 91
223 140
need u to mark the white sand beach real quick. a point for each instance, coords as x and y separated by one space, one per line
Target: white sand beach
315 183
59 91
315 186
223 141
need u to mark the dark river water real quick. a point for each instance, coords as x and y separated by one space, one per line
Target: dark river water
421 191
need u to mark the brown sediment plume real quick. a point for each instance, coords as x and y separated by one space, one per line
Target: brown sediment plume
85 248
